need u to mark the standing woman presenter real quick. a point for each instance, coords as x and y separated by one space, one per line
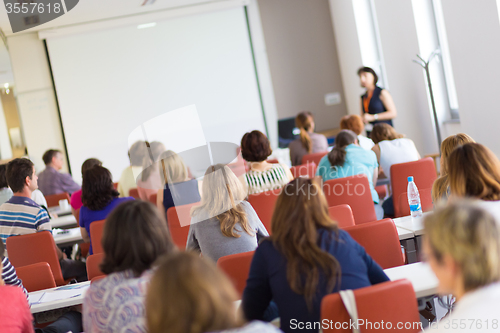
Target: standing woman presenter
377 105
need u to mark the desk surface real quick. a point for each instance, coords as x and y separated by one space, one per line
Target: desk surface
58 304
68 236
65 221
420 275
404 233
415 224
57 210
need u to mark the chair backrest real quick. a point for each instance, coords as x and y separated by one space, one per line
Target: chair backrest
96 229
353 191
424 175
153 197
273 160
313 158
237 267
36 276
342 214
425 202
115 185
380 240
134 193
93 262
263 203
304 170
53 200
391 303
178 232
35 248
97 278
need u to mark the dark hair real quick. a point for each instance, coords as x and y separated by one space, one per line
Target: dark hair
136 153
134 236
338 153
90 163
369 70
17 171
3 176
255 147
97 188
49 155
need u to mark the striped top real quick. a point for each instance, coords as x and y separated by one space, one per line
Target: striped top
21 216
271 179
9 275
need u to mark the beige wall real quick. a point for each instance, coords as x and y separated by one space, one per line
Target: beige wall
302 59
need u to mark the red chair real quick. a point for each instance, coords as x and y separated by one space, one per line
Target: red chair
134 193
424 175
273 160
425 201
96 229
381 191
153 197
390 303
53 200
263 203
313 158
35 248
36 276
179 232
237 267
353 191
380 240
115 185
97 278
342 214
93 262
304 170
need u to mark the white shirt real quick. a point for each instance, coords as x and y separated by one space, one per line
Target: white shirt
37 196
477 311
365 143
492 207
396 151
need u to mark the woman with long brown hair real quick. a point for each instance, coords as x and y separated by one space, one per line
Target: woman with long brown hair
306 258
308 142
224 223
441 186
474 172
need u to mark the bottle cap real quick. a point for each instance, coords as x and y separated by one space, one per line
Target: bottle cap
410 178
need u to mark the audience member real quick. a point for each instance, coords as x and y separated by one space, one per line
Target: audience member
20 215
354 123
474 172
51 181
346 159
135 235
262 176
99 198
175 176
127 180
224 223
5 191
462 246
305 258
441 186
189 294
309 142
76 198
150 181
391 148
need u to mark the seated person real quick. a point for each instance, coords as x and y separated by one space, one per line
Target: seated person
175 176
462 246
127 180
189 294
50 180
224 223
306 257
150 180
99 198
76 198
20 215
354 123
135 236
309 142
346 159
262 176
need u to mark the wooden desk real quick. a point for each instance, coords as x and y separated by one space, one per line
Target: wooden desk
419 274
58 304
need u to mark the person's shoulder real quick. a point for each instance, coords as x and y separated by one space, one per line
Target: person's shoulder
13 293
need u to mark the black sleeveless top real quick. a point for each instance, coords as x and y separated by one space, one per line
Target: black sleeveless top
375 106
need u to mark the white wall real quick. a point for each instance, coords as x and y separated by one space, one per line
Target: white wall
35 96
473 30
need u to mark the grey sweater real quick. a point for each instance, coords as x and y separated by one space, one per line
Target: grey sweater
206 237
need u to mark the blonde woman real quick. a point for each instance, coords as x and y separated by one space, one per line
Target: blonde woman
441 186
174 174
189 294
150 181
462 246
309 142
224 223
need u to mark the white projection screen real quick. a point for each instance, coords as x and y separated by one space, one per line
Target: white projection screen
110 82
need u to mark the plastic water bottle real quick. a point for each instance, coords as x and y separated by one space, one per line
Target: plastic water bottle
413 198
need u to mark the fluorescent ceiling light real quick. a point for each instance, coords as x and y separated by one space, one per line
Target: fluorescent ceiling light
147 25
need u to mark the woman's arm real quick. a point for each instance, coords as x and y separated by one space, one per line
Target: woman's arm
375 177
159 203
85 235
388 102
192 242
376 150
